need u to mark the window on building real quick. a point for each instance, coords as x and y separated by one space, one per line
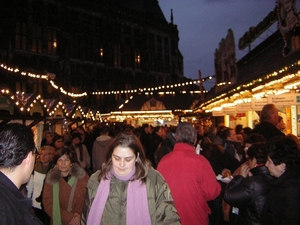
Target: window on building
101 54
127 57
36 39
117 51
21 34
159 54
137 36
151 52
52 42
166 55
151 61
137 57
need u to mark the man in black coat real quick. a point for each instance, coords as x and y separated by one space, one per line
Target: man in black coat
166 146
268 121
17 158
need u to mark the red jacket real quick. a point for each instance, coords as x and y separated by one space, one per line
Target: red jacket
192 183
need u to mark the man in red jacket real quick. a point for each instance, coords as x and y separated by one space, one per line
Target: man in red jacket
190 177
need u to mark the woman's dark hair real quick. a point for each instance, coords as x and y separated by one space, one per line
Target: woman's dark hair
283 150
142 164
55 138
257 151
64 151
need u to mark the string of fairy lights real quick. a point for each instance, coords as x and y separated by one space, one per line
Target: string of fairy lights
145 90
237 95
257 88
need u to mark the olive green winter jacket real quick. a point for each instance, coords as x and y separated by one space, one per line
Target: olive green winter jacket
160 201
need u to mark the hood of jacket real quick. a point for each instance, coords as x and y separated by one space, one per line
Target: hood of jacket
54 174
103 140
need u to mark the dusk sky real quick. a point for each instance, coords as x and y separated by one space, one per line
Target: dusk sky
203 23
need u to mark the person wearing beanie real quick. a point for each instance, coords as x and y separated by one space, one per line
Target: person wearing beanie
80 149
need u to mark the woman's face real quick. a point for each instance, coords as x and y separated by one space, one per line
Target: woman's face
64 164
59 143
274 170
48 138
45 157
123 160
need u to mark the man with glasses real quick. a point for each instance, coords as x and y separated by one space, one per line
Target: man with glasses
17 158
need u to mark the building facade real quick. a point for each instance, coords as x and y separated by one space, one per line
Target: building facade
87 50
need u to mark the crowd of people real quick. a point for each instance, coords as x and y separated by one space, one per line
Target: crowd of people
152 175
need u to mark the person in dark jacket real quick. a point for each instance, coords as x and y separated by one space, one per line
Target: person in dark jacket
166 146
283 203
221 162
249 189
157 136
230 142
100 148
268 121
17 158
146 139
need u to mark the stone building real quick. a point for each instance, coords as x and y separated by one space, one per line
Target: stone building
60 49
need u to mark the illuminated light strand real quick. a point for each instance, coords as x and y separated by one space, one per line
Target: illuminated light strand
293 85
21 106
78 95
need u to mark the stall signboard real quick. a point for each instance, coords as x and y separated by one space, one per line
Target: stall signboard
241 108
284 99
229 110
218 113
258 104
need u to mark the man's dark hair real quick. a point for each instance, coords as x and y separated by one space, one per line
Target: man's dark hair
104 129
145 125
155 129
185 133
225 133
16 141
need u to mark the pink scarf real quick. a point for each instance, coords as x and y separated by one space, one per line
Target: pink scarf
137 211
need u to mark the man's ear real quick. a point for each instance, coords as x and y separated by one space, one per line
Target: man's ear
29 157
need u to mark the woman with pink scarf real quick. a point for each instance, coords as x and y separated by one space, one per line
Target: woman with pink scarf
128 190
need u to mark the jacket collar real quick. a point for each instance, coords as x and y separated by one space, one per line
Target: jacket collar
184 147
54 174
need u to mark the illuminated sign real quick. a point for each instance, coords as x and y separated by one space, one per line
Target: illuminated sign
254 32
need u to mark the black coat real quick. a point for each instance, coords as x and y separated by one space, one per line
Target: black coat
219 160
268 130
249 194
15 209
283 203
165 147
